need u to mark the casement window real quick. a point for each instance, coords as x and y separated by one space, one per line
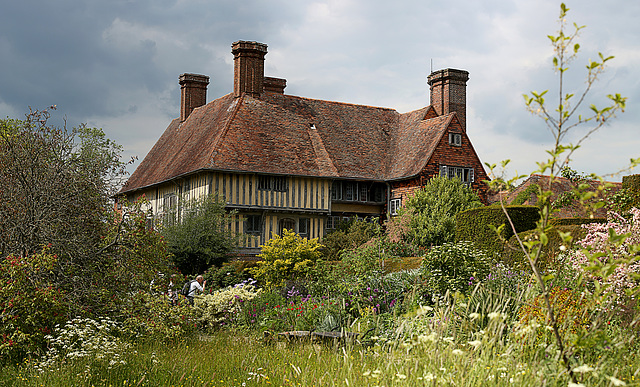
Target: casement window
394 206
364 193
273 183
455 139
303 227
349 191
352 191
465 174
169 202
253 225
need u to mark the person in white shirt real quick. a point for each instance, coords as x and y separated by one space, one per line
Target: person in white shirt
197 285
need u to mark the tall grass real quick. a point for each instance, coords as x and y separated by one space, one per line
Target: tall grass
465 341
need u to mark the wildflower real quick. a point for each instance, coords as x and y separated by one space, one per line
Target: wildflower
457 352
475 343
474 316
494 315
575 385
401 376
616 382
583 369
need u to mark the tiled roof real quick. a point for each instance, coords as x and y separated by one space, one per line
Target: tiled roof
283 134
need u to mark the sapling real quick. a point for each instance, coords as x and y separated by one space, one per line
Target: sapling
562 118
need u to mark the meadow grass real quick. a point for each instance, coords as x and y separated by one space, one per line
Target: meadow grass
467 352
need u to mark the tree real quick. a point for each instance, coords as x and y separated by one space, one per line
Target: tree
349 235
54 186
564 117
431 211
202 237
64 250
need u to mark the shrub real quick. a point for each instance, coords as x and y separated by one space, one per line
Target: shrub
222 306
432 209
30 304
286 257
475 225
202 237
609 261
228 274
454 267
349 235
570 313
514 256
150 317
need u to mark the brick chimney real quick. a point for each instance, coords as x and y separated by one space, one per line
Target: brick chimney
274 85
449 93
193 93
248 67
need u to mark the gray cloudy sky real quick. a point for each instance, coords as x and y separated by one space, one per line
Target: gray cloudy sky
115 64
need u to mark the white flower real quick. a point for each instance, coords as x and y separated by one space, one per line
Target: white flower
474 316
495 315
583 369
475 343
616 382
401 376
457 352
576 385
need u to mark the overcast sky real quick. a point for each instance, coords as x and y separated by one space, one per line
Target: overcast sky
115 64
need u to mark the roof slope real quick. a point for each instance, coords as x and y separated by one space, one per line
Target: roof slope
283 134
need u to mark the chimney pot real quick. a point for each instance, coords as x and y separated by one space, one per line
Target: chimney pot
448 93
193 93
248 67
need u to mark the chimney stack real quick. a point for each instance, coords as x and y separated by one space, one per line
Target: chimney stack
275 85
193 93
248 67
449 93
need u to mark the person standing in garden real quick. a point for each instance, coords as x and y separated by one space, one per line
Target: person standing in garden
197 285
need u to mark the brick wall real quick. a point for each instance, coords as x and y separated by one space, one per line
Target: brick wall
446 154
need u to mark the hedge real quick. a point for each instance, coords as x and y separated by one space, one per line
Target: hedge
515 257
474 225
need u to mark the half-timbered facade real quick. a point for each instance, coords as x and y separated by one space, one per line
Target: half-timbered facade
282 161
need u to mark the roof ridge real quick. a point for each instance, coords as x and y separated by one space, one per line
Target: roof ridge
323 159
227 125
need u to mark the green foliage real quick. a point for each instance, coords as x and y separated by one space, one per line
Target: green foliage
525 195
431 211
54 187
349 235
514 256
484 226
30 304
230 273
222 306
454 267
150 317
286 257
202 237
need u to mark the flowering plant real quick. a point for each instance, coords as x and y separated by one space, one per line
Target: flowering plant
609 255
85 338
223 305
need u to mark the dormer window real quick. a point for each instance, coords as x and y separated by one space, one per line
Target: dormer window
455 139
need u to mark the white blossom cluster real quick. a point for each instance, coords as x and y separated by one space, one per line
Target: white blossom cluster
84 338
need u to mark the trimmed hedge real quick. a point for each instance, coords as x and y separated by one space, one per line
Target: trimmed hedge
515 257
631 184
474 225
